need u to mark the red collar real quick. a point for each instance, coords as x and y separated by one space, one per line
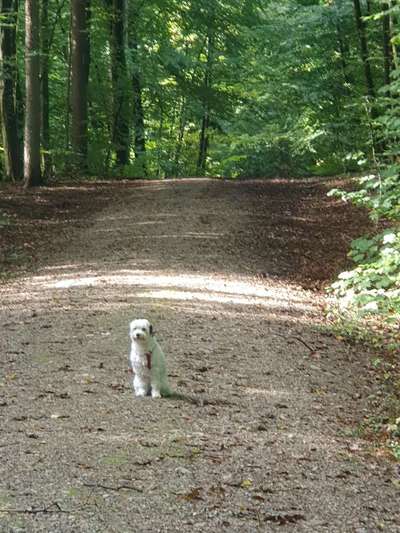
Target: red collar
148 361
148 357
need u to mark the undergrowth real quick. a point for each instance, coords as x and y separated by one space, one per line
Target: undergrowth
366 298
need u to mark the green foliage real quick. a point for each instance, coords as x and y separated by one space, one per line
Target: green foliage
393 431
283 85
373 286
4 219
380 194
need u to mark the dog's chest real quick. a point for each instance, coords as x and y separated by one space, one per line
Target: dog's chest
141 361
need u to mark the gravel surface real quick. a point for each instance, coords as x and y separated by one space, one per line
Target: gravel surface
262 432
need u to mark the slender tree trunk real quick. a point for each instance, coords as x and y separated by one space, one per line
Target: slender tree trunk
68 59
377 146
20 96
160 135
32 171
343 51
119 74
394 25
45 89
80 61
138 112
205 121
362 33
138 116
387 46
8 78
20 114
181 134
203 148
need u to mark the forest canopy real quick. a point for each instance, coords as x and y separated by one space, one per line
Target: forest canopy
163 88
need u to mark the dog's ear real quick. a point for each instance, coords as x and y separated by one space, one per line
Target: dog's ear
151 329
131 327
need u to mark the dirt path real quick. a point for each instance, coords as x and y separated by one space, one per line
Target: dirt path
264 438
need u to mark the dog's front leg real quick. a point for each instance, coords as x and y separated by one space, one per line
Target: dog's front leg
155 393
139 386
155 390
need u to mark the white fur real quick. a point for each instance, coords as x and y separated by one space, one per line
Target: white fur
147 381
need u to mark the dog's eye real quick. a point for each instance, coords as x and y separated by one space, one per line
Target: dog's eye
144 329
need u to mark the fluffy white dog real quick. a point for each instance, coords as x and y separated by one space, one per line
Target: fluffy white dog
147 361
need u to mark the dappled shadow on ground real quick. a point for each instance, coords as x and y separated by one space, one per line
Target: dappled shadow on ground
254 438
260 433
284 229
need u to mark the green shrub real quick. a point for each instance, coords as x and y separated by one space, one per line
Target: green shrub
373 286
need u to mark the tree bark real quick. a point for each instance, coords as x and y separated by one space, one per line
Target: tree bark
119 74
68 59
394 24
205 121
362 33
32 171
388 63
8 79
47 164
181 135
343 52
203 148
80 62
138 112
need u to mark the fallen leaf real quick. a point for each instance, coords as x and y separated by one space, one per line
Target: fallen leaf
194 494
283 518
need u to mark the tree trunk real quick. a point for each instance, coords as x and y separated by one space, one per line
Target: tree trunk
387 46
32 172
119 74
138 112
362 33
181 134
205 121
68 59
343 52
394 24
138 117
20 99
203 148
45 89
160 135
8 80
80 62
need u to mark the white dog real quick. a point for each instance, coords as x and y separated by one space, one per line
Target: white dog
147 361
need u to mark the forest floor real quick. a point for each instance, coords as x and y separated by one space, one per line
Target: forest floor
264 435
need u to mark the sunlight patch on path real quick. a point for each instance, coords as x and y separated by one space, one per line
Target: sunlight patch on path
108 290
213 297
138 278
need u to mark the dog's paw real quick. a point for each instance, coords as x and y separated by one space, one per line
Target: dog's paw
140 393
155 394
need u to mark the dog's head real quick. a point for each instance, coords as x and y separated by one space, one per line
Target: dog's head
140 330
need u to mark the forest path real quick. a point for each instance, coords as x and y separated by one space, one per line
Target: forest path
263 438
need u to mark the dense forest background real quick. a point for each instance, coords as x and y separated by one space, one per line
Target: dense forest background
163 88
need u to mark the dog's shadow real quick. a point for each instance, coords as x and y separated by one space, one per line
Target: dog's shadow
197 401
192 399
